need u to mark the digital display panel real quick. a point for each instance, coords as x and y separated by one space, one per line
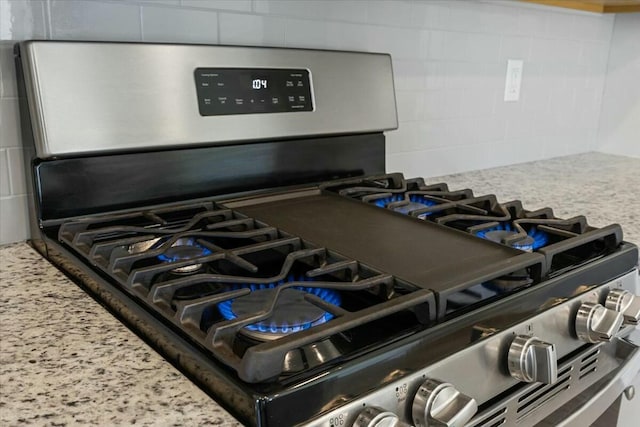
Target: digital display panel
224 91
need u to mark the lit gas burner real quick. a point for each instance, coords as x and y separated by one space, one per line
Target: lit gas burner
535 238
292 313
182 250
412 202
384 201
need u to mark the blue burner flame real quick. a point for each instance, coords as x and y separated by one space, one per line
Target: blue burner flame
540 238
413 198
329 295
383 202
184 249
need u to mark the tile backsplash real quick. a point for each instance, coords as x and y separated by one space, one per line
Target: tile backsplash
449 63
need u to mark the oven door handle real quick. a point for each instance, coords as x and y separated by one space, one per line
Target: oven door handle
590 410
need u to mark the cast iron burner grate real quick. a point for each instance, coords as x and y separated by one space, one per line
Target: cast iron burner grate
567 243
224 279
505 232
291 312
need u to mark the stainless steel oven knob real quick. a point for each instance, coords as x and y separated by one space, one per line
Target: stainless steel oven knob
594 323
439 404
532 360
626 303
376 417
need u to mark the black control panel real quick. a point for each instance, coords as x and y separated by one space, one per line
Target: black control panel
223 91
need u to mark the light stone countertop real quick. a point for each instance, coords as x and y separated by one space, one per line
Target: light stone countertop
65 360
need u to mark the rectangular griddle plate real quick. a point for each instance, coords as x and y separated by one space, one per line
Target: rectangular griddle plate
425 254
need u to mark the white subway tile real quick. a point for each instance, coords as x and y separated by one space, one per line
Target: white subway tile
20 19
577 75
389 12
515 47
435 75
437 162
498 19
587 27
95 21
490 129
410 105
405 138
562 103
483 48
179 25
435 48
348 10
306 33
433 134
8 88
5 181
9 123
477 101
451 101
430 15
14 219
343 10
554 74
251 30
461 131
408 74
455 46
463 75
16 171
401 43
519 125
433 100
239 5
464 16
342 35
160 2
594 54
532 22
493 75
560 25
587 104
555 50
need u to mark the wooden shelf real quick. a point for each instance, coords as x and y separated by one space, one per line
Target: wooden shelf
598 6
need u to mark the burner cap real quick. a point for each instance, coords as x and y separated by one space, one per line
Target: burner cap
414 202
500 236
535 238
182 250
292 313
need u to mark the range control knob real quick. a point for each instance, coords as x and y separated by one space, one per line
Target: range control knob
374 416
532 360
626 303
594 323
439 404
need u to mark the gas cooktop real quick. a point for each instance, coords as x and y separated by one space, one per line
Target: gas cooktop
253 238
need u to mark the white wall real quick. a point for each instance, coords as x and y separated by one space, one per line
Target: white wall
449 58
619 131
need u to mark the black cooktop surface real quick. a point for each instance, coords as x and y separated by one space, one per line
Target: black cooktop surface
426 254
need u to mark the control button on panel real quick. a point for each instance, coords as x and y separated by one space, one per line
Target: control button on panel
374 416
532 360
595 324
439 404
626 303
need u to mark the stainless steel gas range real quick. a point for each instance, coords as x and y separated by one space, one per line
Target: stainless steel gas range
231 206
